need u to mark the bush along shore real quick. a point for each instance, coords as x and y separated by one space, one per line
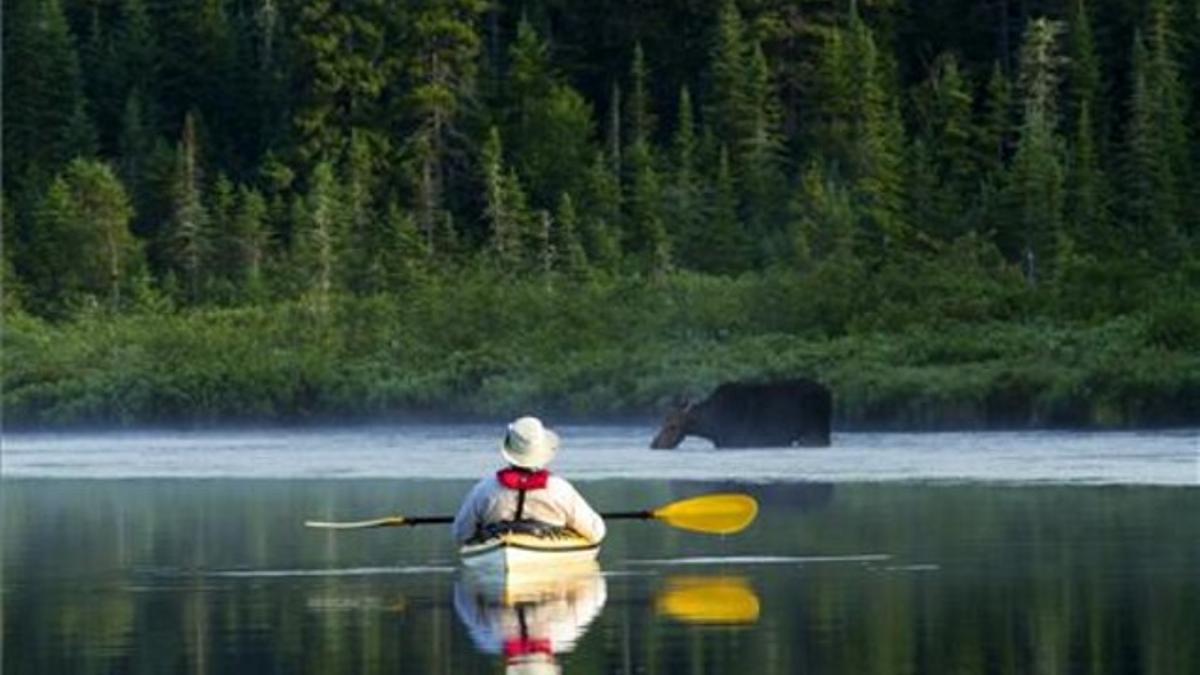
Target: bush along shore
470 347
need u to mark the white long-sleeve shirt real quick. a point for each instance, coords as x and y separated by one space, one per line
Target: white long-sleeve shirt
558 504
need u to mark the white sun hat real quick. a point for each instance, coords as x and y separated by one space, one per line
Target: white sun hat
528 444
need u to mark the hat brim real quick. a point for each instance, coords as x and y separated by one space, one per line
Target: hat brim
539 455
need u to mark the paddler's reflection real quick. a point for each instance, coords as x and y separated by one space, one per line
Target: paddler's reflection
530 619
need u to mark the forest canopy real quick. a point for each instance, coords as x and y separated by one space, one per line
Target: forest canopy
821 170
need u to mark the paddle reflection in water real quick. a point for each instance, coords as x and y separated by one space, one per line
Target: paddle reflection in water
718 600
530 618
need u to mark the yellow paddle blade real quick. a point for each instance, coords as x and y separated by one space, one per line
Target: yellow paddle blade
721 513
709 600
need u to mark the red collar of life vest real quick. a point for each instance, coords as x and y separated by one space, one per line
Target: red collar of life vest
520 479
518 647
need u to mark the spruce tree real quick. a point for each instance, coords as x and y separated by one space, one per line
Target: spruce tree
1037 176
639 111
947 142
995 131
189 237
550 123
684 197
319 247
836 97
601 223
250 240
825 219
1152 201
83 248
729 111
346 56
724 247
1170 106
762 180
364 229
504 207
1088 206
877 149
1085 87
442 70
571 256
646 235
43 95
222 211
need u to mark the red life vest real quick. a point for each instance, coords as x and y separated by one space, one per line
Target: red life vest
516 647
519 479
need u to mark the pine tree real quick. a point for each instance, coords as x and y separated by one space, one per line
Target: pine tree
614 140
190 239
1171 111
729 111
530 79
138 49
1085 87
250 239
550 123
83 247
646 236
1037 179
135 142
222 264
762 180
442 70
504 207
995 132
826 220
1152 178
724 247
639 111
407 258
101 79
1088 221
601 224
572 258
684 198
43 95
877 149
947 149
363 227
319 247
836 96
346 56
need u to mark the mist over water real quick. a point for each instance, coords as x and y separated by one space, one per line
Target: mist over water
606 452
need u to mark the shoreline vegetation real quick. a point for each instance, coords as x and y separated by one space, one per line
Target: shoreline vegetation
471 347
298 211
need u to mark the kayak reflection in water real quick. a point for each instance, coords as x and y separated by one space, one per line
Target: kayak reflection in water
529 619
524 496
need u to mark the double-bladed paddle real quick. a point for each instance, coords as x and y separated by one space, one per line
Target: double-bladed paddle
721 513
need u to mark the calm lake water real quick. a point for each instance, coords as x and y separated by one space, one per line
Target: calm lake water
965 553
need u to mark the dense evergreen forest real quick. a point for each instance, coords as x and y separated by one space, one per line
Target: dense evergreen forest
958 213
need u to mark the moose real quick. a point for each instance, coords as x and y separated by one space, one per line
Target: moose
748 414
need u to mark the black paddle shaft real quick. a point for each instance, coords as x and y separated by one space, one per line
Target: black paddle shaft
628 515
623 515
428 520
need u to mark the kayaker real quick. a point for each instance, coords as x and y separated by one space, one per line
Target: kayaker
524 496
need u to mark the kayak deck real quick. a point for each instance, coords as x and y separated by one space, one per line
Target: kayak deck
517 551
